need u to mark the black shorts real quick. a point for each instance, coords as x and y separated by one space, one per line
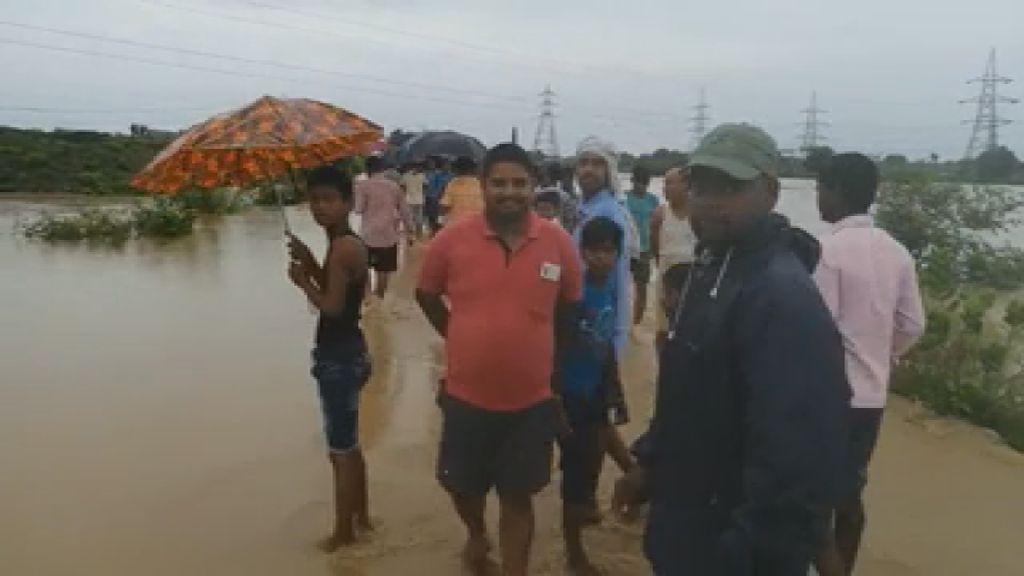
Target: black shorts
641 269
383 259
865 424
582 452
510 451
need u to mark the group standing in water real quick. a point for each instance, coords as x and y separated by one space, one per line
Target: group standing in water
774 350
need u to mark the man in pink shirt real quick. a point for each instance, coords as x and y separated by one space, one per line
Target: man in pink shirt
382 205
868 282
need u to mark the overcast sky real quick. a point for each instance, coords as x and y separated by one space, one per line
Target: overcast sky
889 72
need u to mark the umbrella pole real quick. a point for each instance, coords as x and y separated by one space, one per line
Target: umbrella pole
280 206
280 201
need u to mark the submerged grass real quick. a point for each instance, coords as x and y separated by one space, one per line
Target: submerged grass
163 218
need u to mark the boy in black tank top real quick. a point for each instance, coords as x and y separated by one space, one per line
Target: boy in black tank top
341 365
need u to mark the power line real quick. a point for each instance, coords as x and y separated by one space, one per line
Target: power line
244 60
571 68
987 121
58 110
237 73
284 25
282 65
520 58
382 28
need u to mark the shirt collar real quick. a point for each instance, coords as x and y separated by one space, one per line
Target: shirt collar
855 221
532 226
602 196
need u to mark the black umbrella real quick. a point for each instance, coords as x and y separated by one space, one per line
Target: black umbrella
446 143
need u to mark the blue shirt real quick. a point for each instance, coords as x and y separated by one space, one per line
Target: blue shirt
604 204
436 183
585 360
642 208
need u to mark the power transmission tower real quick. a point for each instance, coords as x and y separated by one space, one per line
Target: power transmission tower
987 120
545 142
700 120
812 136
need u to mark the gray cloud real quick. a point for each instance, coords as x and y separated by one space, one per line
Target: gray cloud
890 73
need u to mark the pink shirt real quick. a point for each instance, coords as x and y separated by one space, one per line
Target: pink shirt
869 284
382 205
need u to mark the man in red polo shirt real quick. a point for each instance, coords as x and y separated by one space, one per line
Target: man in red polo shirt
505 274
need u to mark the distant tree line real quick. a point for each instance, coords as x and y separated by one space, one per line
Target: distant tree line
73 161
997 166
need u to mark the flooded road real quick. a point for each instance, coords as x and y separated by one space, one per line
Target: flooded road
157 417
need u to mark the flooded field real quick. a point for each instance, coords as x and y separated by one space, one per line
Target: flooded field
157 417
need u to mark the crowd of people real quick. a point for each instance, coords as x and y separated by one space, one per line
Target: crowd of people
774 347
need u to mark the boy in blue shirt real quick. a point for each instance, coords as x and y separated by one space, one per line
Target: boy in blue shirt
591 390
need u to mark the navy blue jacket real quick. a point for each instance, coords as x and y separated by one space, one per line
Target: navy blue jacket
747 446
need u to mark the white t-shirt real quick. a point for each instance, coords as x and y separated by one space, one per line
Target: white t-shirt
413 184
677 241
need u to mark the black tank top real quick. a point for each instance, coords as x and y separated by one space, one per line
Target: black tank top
343 329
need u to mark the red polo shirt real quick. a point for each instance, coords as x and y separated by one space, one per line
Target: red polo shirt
500 345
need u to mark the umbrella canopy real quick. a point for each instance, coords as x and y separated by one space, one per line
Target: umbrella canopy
260 141
445 143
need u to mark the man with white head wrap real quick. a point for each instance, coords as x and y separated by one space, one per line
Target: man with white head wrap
598 177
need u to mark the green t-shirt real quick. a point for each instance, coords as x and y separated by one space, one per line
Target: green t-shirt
642 208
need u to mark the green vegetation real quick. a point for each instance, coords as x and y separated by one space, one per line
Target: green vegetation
968 362
163 218
76 162
216 201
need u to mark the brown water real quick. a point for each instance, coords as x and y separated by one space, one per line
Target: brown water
157 417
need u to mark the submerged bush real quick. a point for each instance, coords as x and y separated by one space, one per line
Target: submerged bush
217 201
164 218
88 224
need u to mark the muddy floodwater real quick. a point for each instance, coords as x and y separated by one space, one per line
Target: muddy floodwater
157 418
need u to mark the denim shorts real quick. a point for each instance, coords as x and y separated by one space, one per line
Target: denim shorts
340 376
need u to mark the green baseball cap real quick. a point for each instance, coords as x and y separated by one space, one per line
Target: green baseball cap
742 151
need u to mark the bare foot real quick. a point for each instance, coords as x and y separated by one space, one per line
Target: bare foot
335 541
581 566
593 515
364 525
475 557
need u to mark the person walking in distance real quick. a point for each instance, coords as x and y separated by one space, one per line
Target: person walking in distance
438 177
869 284
382 205
493 285
641 204
462 196
414 183
672 240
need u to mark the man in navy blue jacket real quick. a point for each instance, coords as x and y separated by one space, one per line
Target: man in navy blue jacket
745 453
